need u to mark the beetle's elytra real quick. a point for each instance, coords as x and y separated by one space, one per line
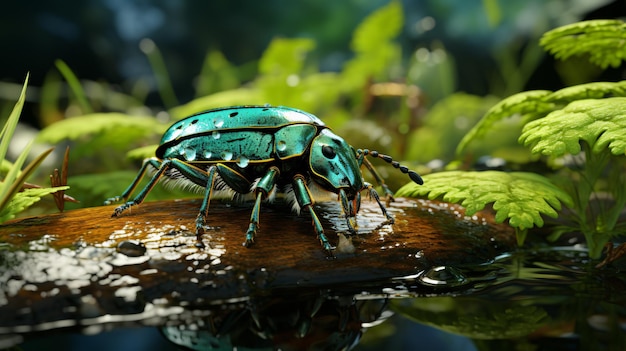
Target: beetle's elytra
262 150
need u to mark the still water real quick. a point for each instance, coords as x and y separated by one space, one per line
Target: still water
536 299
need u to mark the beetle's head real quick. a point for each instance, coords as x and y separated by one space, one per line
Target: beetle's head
334 165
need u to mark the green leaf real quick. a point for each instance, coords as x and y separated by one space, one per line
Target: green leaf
117 123
9 127
24 200
382 26
603 40
285 56
519 197
373 45
599 122
526 103
217 74
235 97
142 152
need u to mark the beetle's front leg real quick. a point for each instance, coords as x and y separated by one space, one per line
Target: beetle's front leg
350 209
154 162
303 196
374 194
161 167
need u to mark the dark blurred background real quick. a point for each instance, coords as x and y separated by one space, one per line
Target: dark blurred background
99 39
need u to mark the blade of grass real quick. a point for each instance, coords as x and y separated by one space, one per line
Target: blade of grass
149 48
75 86
9 127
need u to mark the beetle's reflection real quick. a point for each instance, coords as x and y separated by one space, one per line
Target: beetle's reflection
305 322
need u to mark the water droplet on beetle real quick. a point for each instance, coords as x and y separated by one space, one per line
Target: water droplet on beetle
227 155
243 162
208 155
216 135
281 145
218 122
189 153
442 276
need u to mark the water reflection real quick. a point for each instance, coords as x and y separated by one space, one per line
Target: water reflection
307 321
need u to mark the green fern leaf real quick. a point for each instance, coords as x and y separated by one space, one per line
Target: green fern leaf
601 123
25 199
527 103
97 123
603 40
519 197
595 90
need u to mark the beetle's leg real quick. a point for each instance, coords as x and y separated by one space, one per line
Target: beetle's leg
374 194
263 187
204 207
349 211
144 192
303 196
362 160
154 162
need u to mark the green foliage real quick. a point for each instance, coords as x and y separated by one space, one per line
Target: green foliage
217 74
444 125
526 103
287 77
604 41
12 201
520 197
601 123
114 125
24 199
535 104
373 46
584 118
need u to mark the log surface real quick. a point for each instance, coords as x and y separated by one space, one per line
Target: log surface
83 267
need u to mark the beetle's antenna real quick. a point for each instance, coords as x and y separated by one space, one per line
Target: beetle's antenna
412 174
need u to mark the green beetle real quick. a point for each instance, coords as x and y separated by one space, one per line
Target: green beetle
260 150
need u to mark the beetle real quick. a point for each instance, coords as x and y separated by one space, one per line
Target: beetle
262 150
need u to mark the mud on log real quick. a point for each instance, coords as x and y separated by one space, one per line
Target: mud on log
82 265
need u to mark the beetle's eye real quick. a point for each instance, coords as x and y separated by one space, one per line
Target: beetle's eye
328 151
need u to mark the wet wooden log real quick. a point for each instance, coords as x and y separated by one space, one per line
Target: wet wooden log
83 264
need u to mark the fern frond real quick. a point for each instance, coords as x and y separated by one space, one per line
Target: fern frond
603 40
595 90
24 199
519 197
599 122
